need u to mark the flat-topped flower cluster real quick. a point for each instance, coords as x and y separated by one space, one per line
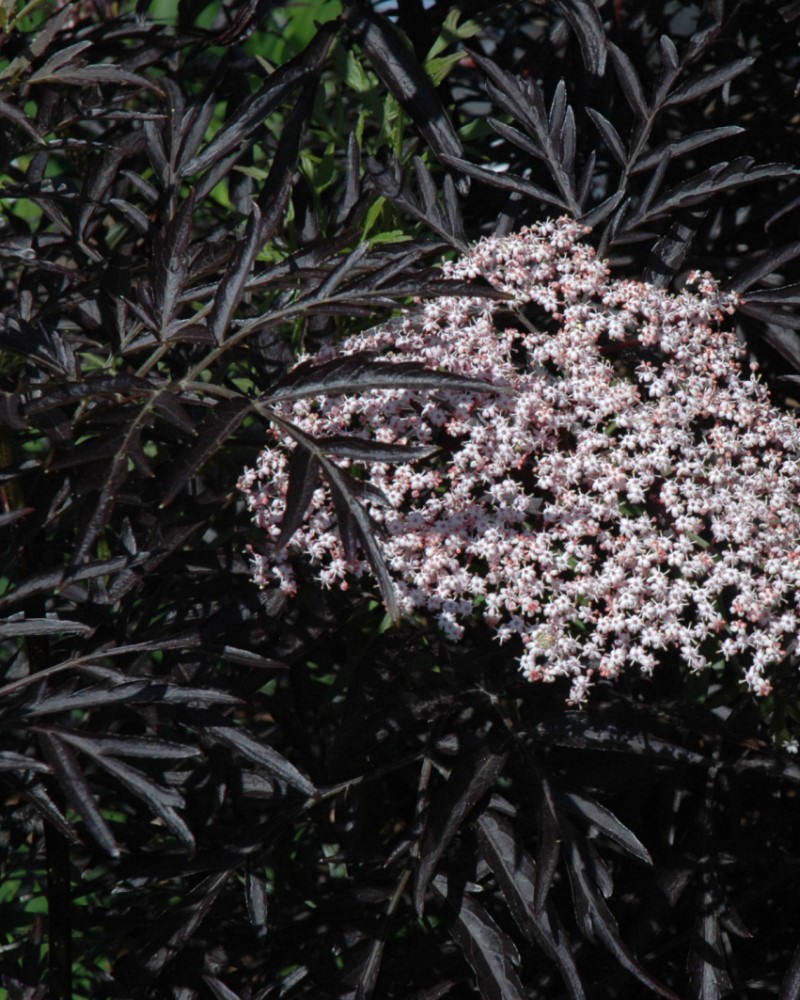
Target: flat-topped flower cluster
625 491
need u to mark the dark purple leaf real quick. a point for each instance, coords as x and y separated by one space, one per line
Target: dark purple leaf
629 82
610 136
20 119
598 815
364 450
224 420
772 315
402 74
362 372
255 890
513 135
672 150
770 262
188 915
231 288
162 801
219 989
585 21
515 872
38 797
274 196
11 761
580 730
593 912
719 178
548 848
491 954
786 295
77 790
708 977
790 987
471 778
701 85
304 475
253 750
506 181
277 88
43 626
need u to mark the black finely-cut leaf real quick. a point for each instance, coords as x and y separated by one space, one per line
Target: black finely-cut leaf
364 450
253 750
506 181
44 626
610 136
471 778
103 171
169 409
700 85
667 256
171 260
136 692
137 218
708 977
524 102
38 797
275 90
593 913
602 818
273 198
432 993
786 295
193 128
584 19
719 178
489 951
20 119
255 891
365 976
145 747
790 986
356 523
548 846
223 421
671 150
231 288
188 916
77 790
400 71
10 761
87 75
785 341
161 801
771 314
304 476
583 731
54 579
352 183
629 82
246 657
771 261
517 138
669 53
340 272
362 372
388 181
515 871
601 212
219 989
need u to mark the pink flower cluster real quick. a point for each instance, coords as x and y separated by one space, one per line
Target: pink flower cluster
624 491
